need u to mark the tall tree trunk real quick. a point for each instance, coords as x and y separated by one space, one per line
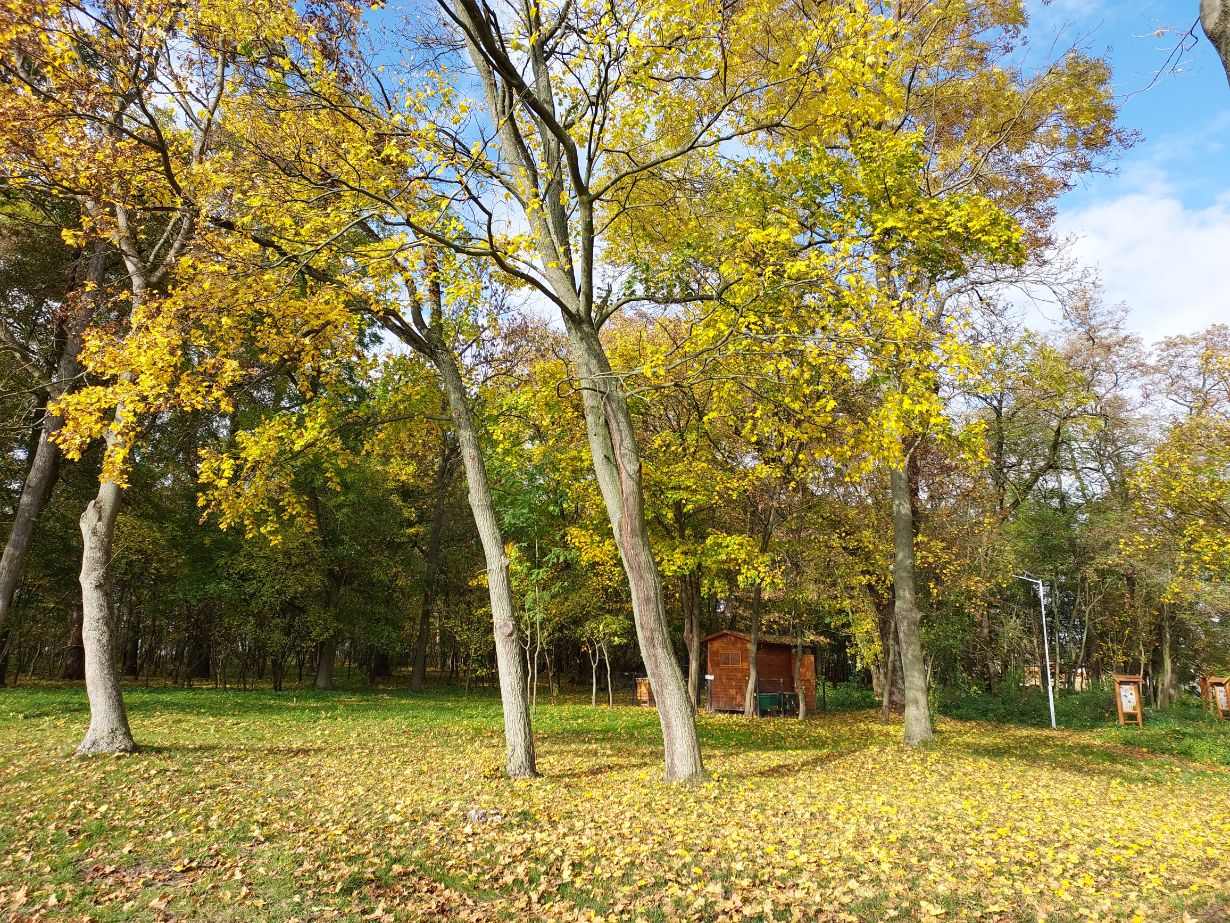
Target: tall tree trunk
689 603
1166 691
689 593
891 689
108 731
381 666
432 560
518 734
750 708
5 650
200 652
610 690
34 492
326 663
617 468
593 654
132 646
44 466
750 704
74 660
892 678
798 674
906 611
326 653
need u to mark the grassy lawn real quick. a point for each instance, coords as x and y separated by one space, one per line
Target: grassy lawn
356 805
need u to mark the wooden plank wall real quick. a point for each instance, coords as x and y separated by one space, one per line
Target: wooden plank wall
729 683
774 663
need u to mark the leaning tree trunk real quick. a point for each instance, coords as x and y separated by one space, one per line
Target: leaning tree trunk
617 467
1215 18
34 493
518 734
5 635
108 731
432 560
907 613
44 467
608 423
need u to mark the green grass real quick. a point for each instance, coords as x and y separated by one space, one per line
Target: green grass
353 805
1189 729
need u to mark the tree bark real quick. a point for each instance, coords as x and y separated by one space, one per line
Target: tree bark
906 611
798 676
610 690
750 704
518 734
108 731
34 492
891 690
593 654
753 672
1215 18
132 648
617 468
326 663
689 602
689 591
74 660
432 561
381 666
1166 684
891 677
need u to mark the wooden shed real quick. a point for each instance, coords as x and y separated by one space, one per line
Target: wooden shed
728 655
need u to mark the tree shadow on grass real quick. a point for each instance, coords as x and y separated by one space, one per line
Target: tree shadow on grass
603 767
791 768
188 748
1084 758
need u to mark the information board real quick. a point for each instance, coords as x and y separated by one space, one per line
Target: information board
1128 700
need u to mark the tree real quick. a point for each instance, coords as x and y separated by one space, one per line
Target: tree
1215 19
960 89
346 273
574 132
92 89
51 292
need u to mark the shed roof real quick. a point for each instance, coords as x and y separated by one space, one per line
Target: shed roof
776 640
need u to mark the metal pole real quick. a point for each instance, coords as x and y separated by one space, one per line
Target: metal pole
1046 652
1046 645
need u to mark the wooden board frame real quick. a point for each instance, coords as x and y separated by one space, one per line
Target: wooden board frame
1128 694
1219 695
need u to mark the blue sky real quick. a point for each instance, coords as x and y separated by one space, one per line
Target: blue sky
1157 230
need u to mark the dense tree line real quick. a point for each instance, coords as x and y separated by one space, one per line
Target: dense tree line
555 338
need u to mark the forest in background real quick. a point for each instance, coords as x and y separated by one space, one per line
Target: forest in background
602 325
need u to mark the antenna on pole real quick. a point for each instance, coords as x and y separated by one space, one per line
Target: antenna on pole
1046 646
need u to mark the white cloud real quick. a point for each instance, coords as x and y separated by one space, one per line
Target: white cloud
1167 260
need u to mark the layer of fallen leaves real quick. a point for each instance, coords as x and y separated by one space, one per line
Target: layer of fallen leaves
385 808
